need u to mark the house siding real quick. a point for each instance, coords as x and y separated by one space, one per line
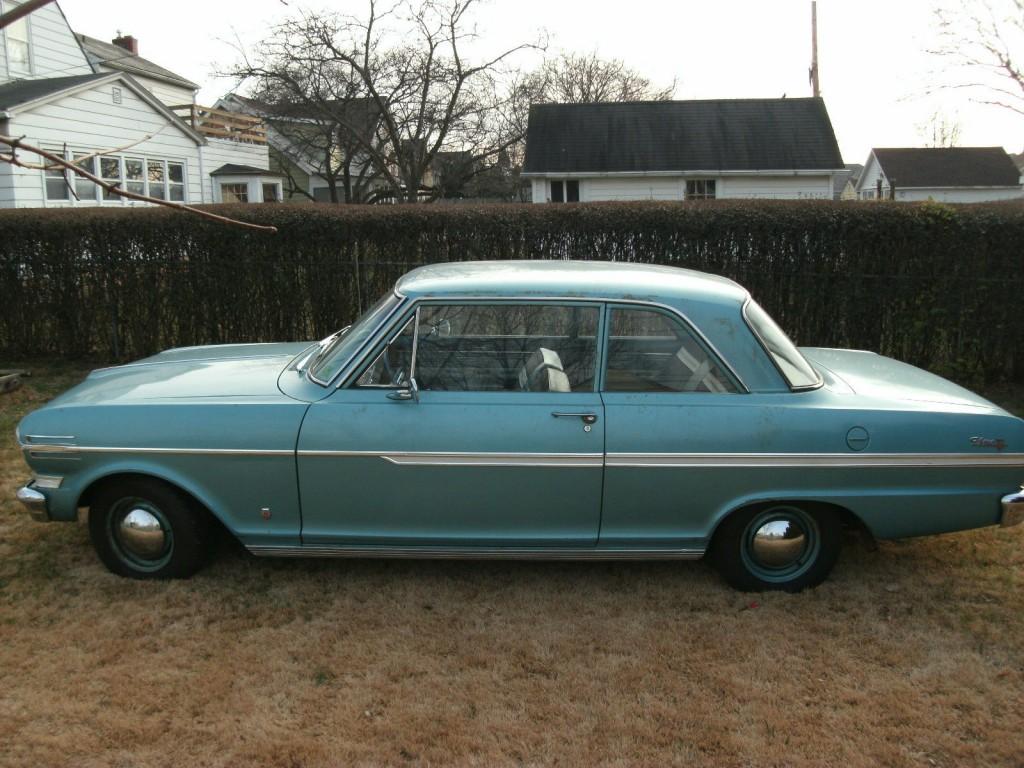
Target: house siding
218 152
89 121
961 195
674 187
167 94
53 50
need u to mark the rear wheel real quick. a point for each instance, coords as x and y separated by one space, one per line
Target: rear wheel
146 529
777 546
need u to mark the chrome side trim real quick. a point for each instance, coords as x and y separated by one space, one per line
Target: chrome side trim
447 459
36 438
47 481
804 460
76 449
478 553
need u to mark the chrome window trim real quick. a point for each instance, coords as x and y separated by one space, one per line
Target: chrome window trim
371 340
792 388
596 300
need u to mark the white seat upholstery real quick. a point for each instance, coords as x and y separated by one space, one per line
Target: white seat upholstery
542 372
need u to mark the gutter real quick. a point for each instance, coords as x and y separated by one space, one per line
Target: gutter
702 173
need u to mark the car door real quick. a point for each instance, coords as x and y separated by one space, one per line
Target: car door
665 393
475 425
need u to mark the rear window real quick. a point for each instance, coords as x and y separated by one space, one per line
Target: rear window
791 364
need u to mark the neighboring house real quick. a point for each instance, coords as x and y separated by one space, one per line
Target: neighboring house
676 150
943 174
309 151
78 97
845 184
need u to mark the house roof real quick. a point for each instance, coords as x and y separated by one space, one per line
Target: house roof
233 169
948 167
712 135
105 54
18 92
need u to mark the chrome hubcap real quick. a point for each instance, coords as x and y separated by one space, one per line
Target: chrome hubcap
142 534
778 543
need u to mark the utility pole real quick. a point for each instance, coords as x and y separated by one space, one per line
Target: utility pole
813 72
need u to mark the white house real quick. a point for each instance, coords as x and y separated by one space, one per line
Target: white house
681 150
943 174
78 97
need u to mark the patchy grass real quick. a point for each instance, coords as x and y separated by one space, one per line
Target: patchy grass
913 655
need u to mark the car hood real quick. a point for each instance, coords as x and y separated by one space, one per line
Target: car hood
230 370
876 376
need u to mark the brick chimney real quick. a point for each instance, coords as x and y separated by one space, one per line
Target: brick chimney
127 42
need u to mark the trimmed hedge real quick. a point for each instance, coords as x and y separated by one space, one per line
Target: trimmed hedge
930 284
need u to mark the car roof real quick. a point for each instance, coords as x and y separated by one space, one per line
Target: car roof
568 279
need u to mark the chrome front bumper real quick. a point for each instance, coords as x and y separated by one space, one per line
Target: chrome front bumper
1013 509
35 502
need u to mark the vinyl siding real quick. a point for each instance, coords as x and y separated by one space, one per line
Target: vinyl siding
53 49
962 195
674 187
167 94
218 152
89 121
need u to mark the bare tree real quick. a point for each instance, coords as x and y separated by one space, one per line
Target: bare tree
408 61
585 78
940 130
983 40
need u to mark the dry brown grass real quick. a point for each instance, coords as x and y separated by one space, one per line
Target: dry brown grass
913 655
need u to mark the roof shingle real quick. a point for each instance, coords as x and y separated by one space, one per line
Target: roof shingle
712 135
20 92
948 167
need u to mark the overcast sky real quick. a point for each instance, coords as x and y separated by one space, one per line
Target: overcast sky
873 55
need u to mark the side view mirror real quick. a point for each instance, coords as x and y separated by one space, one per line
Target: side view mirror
410 392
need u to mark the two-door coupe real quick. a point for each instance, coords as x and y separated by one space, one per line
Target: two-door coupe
542 409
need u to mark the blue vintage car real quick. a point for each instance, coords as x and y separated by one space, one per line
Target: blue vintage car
543 409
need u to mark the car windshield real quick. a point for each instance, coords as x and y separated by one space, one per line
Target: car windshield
787 357
344 345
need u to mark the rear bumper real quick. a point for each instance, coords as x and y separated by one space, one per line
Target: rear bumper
1013 509
34 502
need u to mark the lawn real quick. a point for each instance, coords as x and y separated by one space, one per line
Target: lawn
911 655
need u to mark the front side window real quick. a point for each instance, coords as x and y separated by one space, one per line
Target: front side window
19 57
700 189
793 366
344 344
493 348
650 351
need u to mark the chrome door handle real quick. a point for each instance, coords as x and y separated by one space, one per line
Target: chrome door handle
588 418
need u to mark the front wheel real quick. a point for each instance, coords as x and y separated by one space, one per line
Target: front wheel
146 529
777 546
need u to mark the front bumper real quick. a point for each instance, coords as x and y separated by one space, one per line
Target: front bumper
35 502
1013 509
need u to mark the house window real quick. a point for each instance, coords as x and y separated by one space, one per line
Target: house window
110 172
134 178
19 59
84 189
155 174
271 193
176 181
565 191
234 193
57 185
700 189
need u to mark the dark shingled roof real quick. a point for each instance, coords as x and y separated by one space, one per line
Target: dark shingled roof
715 135
232 169
948 167
19 92
114 56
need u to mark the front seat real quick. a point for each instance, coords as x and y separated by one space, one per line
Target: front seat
542 372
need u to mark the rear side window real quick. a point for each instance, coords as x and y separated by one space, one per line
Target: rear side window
793 366
649 351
